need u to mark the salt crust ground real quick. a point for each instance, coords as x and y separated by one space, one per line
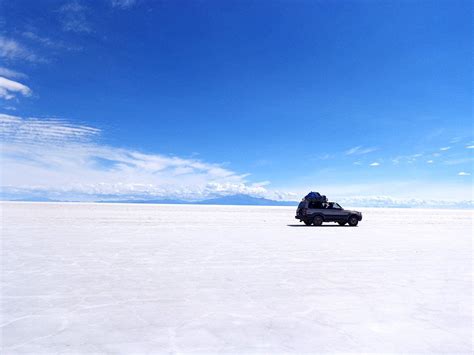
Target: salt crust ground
98 278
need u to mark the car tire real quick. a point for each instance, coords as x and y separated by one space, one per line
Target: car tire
308 223
353 221
318 220
342 223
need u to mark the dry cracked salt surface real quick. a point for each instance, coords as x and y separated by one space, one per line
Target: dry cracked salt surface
111 278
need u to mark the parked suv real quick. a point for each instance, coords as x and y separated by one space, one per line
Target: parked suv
315 212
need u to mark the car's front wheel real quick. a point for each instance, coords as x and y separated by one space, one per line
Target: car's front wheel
318 220
353 221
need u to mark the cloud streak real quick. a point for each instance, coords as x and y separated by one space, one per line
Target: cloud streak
360 150
12 74
49 43
13 50
122 4
9 88
43 131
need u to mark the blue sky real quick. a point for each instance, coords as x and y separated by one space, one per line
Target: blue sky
203 98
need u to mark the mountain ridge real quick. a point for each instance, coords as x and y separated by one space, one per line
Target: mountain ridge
234 200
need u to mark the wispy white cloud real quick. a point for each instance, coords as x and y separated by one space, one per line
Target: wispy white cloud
359 150
443 149
60 158
430 161
73 17
470 146
457 161
411 158
49 42
46 41
375 163
9 88
463 173
13 50
123 4
43 131
326 156
12 74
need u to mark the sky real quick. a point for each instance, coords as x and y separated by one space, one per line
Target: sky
195 99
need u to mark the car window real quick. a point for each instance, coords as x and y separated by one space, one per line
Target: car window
314 205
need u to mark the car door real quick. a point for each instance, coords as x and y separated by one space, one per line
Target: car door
329 213
338 213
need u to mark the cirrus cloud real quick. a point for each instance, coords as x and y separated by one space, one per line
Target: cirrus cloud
73 17
360 150
12 74
122 4
12 50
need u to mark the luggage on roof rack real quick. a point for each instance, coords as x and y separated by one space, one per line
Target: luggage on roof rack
316 197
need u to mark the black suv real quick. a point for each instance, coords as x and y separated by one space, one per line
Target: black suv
315 212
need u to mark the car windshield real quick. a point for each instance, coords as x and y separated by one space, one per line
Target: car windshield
336 205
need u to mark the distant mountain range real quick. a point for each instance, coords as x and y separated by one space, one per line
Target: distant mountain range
238 200
30 199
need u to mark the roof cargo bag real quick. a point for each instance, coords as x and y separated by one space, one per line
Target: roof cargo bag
315 197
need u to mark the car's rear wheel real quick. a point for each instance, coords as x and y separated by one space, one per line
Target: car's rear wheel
308 223
353 221
318 220
342 223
